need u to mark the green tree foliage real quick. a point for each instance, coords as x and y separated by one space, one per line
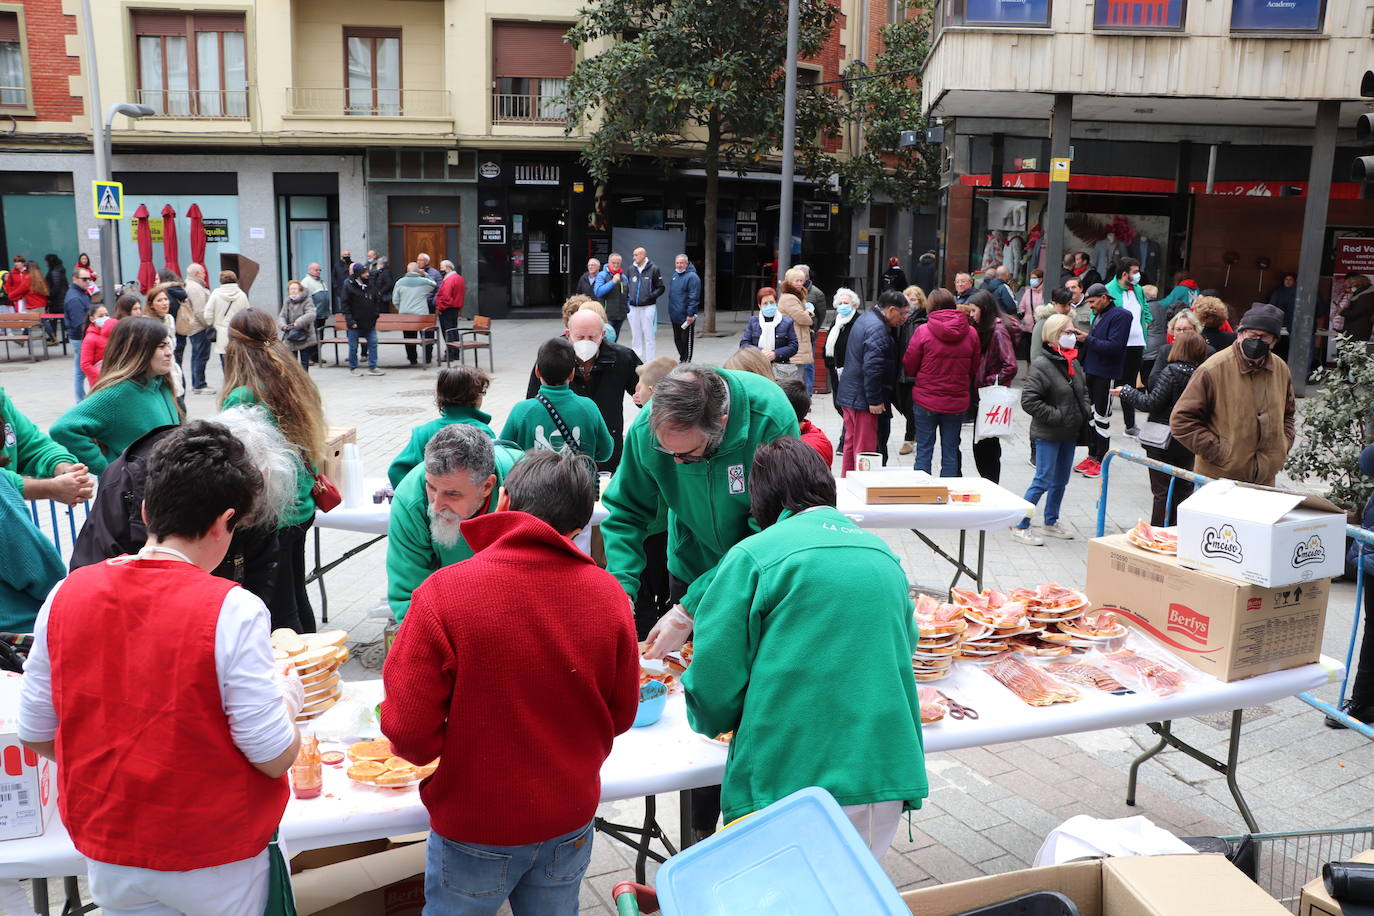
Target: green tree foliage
875 104
1335 427
701 78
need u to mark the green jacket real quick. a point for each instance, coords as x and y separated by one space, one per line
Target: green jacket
414 452
30 453
1118 294
814 678
708 502
531 426
411 555
100 428
302 508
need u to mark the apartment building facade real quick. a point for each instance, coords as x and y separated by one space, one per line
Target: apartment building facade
301 128
1197 131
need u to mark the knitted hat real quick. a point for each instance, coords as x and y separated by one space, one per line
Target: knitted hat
1263 317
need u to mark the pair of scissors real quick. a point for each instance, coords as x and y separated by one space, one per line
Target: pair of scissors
958 710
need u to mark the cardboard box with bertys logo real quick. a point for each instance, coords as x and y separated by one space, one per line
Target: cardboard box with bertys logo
28 782
1261 535
1229 629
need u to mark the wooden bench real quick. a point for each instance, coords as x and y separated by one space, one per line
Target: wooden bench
25 328
424 324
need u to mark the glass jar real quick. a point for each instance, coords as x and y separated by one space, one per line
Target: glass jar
307 773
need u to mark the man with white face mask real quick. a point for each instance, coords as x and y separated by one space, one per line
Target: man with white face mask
459 480
605 373
1126 291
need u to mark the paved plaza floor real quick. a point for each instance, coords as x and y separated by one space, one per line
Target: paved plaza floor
990 807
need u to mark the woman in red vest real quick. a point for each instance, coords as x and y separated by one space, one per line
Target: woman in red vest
173 740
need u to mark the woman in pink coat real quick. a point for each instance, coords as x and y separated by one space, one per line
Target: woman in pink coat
943 358
1032 297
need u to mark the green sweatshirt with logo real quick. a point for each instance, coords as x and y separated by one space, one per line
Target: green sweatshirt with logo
813 678
530 425
411 554
414 452
30 453
708 502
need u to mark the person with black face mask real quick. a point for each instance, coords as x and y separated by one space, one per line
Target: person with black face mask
1237 413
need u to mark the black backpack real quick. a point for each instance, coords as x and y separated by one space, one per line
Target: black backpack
115 525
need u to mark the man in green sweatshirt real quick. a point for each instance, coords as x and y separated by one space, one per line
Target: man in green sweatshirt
556 418
813 677
691 449
37 466
459 479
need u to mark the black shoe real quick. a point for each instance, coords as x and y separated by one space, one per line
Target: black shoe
1364 715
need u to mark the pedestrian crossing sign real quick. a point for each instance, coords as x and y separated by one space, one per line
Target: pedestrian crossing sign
109 199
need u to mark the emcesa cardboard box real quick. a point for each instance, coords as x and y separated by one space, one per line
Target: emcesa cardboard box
28 782
1141 886
1317 902
1261 535
1226 628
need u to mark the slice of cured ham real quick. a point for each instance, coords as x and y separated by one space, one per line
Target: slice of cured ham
1030 683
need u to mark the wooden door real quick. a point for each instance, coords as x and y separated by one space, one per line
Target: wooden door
428 239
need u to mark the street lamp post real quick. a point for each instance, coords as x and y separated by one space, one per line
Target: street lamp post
789 141
100 138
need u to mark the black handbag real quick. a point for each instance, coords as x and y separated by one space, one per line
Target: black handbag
296 334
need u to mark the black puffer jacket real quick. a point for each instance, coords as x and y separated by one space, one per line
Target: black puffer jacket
1165 390
1057 403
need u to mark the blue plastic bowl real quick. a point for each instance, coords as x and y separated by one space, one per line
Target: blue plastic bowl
653 697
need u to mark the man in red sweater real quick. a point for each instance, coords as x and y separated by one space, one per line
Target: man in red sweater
812 435
448 300
519 686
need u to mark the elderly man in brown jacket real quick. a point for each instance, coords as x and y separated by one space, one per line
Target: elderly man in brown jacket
1236 414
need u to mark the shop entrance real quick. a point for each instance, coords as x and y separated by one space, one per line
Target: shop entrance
539 235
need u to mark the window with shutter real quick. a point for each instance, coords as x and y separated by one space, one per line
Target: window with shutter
14 91
192 65
530 65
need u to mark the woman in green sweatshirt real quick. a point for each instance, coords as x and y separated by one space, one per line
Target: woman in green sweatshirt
260 370
458 394
132 397
812 674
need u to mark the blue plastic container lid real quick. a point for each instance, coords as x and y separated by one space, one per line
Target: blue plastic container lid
800 856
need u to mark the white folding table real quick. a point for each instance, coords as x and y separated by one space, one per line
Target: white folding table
669 757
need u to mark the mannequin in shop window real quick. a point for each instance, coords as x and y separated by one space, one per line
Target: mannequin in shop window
1147 252
1107 253
992 250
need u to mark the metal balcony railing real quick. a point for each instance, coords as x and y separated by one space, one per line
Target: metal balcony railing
196 104
368 103
508 108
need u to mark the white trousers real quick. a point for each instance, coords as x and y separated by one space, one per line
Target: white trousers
876 823
643 324
236 889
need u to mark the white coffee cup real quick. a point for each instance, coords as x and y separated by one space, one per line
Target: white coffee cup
869 461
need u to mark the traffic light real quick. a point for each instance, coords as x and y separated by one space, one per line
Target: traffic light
1362 170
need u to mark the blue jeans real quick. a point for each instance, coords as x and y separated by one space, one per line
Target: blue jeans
370 335
927 422
809 376
541 879
200 356
80 376
1053 465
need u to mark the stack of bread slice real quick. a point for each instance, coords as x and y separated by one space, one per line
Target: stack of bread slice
317 657
375 763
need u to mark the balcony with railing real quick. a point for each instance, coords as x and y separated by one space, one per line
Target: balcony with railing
528 108
423 104
196 104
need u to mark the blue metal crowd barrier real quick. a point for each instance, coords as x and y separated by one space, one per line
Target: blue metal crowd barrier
52 517
1363 536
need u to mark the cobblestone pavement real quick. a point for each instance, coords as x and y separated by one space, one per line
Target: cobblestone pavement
989 807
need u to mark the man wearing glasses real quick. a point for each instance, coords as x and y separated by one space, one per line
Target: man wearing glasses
75 308
690 451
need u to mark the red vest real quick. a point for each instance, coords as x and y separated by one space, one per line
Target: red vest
148 774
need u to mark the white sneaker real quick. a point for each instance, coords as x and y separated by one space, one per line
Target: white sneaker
376 372
1026 536
1060 530
356 373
